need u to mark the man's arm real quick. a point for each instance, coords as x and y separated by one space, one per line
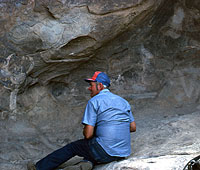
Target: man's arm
88 131
132 126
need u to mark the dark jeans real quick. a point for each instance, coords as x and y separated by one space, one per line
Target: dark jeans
90 150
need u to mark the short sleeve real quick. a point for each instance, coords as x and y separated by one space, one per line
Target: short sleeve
130 115
90 115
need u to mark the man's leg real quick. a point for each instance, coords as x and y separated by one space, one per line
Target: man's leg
56 158
99 154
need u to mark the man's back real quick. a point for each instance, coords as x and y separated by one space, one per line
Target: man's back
111 115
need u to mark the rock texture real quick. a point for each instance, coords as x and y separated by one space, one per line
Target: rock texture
149 48
156 163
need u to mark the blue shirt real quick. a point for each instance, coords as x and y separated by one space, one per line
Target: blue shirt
111 116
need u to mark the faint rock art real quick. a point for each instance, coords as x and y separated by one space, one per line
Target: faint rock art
119 79
147 56
177 19
189 87
13 99
13 73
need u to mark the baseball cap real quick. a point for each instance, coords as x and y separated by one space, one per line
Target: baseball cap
100 77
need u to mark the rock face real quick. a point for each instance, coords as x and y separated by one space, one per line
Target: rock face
150 49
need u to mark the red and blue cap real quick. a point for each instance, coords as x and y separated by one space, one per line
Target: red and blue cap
99 77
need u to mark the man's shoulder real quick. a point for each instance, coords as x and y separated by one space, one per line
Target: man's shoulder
107 95
101 96
118 96
110 96
120 99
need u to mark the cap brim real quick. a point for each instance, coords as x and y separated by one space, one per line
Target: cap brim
89 80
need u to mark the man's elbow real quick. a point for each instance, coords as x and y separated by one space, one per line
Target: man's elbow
133 127
88 131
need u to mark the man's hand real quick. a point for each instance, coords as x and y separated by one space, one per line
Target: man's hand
88 131
132 127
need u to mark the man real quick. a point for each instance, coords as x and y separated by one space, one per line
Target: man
107 121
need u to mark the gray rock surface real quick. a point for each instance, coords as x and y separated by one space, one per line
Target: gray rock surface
167 162
166 138
150 49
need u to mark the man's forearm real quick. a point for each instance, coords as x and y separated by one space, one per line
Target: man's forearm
88 131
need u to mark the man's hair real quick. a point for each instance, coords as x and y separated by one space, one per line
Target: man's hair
97 83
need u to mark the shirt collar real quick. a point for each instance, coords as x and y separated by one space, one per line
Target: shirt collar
104 90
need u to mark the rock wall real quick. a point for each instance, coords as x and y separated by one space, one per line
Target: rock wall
51 39
149 48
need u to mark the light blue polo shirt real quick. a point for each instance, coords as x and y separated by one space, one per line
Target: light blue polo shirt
111 116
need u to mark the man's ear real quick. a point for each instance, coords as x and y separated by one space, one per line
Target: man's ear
101 87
